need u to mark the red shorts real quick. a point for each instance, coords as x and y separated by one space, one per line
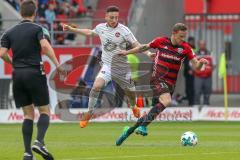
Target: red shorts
160 86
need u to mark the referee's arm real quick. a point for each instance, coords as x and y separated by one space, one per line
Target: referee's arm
48 50
5 45
5 56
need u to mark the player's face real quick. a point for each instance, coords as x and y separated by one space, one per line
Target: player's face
179 37
112 18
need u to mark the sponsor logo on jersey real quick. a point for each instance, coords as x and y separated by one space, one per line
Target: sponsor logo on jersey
180 50
170 57
117 34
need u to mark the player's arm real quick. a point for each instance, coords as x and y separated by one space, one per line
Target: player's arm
140 48
198 64
5 56
48 50
148 53
4 47
85 32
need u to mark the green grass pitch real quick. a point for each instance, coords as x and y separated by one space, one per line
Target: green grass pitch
217 140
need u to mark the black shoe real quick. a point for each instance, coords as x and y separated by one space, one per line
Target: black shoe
28 156
39 148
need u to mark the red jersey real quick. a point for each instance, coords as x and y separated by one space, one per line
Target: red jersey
169 58
207 69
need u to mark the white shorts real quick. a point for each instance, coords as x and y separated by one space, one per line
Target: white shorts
123 79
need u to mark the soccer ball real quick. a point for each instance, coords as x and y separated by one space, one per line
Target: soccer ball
189 139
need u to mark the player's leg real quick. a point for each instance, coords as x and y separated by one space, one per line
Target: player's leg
27 130
124 81
159 88
132 100
143 122
98 84
207 89
36 86
23 99
43 122
101 80
164 101
42 126
198 90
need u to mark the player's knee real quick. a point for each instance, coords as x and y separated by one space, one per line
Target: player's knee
44 110
166 101
29 115
96 88
98 85
28 112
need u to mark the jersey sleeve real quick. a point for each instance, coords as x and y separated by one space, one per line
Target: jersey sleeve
130 37
43 34
156 42
96 30
189 52
5 42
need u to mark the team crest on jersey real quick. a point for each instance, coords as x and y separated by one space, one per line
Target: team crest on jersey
117 34
180 50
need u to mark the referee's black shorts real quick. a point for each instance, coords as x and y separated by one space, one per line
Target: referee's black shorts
30 87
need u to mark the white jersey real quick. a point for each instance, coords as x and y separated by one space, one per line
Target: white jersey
114 40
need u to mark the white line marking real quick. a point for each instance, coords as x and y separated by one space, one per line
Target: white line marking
156 155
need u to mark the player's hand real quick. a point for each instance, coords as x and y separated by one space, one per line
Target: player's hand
66 27
203 61
151 55
61 71
123 53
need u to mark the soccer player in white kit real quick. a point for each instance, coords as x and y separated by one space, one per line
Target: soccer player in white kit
114 38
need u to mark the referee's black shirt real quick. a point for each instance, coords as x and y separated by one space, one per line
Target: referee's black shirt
24 40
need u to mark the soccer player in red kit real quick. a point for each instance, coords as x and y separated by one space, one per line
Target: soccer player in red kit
169 57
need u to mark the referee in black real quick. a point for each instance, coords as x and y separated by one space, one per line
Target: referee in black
27 40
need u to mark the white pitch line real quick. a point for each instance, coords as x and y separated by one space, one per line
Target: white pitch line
156 155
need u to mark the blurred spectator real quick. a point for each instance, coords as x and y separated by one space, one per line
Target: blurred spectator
203 78
41 9
50 15
51 10
59 37
42 21
189 77
81 8
89 7
80 95
44 2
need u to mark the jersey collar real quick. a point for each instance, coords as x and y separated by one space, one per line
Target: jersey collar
174 46
112 27
25 20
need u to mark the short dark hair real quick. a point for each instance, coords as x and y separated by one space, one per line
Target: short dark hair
28 8
179 27
190 38
112 9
